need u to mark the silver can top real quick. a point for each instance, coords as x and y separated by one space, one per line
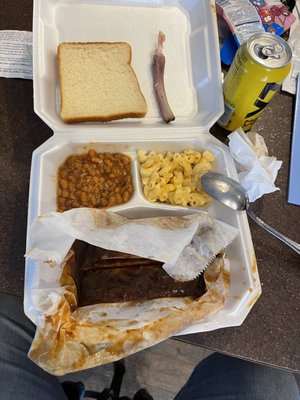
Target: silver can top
269 50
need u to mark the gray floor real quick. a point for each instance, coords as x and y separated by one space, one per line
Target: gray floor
161 369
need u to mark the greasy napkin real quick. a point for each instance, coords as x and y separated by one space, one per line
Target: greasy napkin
70 338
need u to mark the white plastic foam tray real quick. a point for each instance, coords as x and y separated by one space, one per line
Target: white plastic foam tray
192 72
245 287
193 85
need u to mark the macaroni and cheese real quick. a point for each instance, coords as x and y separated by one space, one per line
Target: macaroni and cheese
174 178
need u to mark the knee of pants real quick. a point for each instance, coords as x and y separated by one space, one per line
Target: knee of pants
218 377
15 327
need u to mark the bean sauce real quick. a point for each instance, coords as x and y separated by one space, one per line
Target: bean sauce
96 180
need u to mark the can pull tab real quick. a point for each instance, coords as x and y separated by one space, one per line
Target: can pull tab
269 51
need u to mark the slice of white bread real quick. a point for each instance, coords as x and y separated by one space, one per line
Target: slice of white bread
97 82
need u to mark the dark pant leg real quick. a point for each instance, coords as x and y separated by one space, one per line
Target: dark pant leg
20 378
220 377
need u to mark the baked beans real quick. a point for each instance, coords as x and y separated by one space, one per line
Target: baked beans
94 180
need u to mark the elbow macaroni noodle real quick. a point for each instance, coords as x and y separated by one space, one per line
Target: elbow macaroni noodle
174 178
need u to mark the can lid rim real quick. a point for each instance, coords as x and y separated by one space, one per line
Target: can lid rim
279 39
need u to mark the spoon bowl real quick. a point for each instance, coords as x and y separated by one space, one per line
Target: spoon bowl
226 190
233 195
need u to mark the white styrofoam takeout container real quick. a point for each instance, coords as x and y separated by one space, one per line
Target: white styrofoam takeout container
193 85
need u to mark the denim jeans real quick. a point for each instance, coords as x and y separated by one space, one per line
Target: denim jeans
220 377
217 377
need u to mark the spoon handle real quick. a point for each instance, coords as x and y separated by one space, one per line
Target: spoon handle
295 246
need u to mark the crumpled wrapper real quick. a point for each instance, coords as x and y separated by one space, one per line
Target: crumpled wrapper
70 338
257 171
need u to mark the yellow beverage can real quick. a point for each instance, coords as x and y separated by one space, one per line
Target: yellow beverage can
256 74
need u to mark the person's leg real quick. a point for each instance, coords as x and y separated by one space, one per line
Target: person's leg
220 377
19 376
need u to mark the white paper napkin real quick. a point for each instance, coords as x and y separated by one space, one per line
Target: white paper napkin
257 171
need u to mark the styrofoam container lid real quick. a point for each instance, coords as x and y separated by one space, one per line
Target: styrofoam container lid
192 72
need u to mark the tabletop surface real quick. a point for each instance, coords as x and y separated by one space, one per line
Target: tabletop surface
270 333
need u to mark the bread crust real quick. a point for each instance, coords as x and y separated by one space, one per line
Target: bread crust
102 119
99 118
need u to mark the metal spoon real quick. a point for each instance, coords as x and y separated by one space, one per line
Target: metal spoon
233 195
